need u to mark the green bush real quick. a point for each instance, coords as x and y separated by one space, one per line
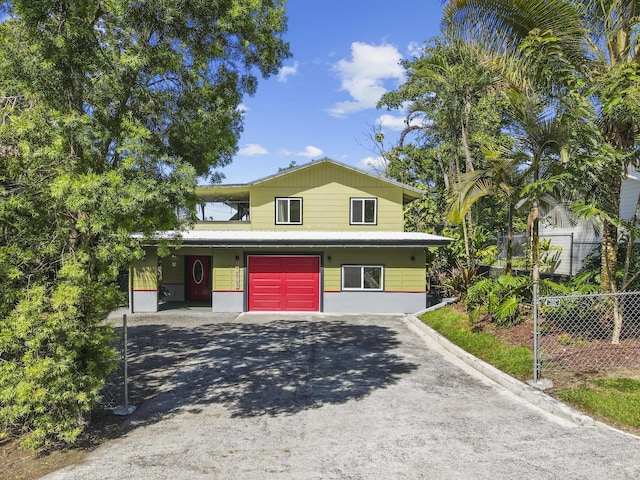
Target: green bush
498 298
55 353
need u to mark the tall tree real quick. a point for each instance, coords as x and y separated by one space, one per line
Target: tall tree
590 46
502 179
542 137
447 90
110 110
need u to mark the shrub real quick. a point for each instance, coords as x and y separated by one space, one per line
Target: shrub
55 354
500 299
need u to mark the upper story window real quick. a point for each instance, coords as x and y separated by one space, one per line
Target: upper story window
364 211
289 211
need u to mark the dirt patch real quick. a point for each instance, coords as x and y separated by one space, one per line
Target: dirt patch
158 345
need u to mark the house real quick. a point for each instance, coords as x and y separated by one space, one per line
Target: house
574 240
322 236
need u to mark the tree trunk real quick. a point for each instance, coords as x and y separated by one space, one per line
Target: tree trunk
609 261
465 136
621 137
535 243
467 249
509 265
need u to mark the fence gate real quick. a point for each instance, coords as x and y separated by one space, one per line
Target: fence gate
578 333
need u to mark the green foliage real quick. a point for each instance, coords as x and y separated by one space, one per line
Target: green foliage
501 298
587 280
109 112
55 358
549 256
516 361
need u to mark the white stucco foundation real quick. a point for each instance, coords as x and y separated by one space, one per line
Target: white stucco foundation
374 302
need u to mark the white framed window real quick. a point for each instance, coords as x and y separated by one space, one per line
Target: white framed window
289 211
362 277
363 211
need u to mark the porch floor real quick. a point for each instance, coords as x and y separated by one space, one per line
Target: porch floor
193 306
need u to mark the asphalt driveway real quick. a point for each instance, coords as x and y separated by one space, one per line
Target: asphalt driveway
346 397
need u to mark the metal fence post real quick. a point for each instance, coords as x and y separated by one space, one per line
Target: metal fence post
536 364
125 409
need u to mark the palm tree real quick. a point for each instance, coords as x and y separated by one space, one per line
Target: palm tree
501 180
542 137
443 88
530 171
588 46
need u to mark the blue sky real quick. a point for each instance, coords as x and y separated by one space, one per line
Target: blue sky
345 55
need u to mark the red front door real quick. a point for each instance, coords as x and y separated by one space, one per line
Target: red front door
198 278
280 283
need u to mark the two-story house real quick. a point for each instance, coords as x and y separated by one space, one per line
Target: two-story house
319 237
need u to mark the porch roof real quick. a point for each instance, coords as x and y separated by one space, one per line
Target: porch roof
251 238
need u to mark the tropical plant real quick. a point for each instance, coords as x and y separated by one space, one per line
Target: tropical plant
450 98
502 179
581 48
500 299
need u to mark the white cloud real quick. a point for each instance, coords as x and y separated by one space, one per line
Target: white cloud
242 108
364 75
397 123
308 152
415 49
286 72
392 122
252 149
376 165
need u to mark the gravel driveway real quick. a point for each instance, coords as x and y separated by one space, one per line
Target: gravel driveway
345 397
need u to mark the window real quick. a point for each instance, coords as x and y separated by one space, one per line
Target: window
364 211
289 211
362 277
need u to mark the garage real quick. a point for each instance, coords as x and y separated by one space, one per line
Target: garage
284 283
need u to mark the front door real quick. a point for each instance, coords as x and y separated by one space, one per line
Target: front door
197 274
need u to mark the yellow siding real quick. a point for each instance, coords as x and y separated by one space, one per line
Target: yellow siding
145 272
401 274
228 273
173 269
326 190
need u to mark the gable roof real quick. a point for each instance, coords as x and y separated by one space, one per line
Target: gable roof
240 190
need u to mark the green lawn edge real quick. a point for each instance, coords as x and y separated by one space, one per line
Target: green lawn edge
613 399
455 326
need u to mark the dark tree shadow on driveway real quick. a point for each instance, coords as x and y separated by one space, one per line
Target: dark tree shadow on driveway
275 368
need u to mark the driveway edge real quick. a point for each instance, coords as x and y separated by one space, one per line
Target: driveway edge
521 389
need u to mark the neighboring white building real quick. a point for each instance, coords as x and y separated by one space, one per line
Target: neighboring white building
577 238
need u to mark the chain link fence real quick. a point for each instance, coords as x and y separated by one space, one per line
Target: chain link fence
587 333
114 393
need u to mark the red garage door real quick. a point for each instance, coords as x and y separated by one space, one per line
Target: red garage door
284 283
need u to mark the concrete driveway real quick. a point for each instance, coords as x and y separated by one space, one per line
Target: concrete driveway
346 397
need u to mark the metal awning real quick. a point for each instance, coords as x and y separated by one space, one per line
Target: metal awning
250 238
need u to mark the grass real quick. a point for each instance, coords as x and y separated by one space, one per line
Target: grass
455 326
615 400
